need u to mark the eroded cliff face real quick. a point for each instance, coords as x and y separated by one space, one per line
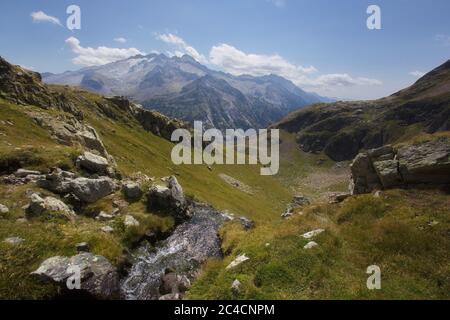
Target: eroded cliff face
425 164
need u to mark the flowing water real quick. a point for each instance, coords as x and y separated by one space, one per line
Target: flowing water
183 252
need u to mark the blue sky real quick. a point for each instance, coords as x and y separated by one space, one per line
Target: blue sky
320 45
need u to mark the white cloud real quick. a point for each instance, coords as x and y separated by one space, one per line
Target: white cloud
278 3
41 16
237 62
444 39
181 47
417 74
120 40
87 56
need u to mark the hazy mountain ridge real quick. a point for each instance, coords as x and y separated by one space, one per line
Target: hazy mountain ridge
342 129
172 85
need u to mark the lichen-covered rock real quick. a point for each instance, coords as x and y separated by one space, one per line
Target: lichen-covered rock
91 190
169 198
49 205
388 173
132 190
93 163
364 176
98 277
427 162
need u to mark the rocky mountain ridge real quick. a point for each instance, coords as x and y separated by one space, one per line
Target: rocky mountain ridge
181 87
342 129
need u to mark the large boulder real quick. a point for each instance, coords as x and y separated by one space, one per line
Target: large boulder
98 277
427 162
364 176
91 190
93 163
52 206
58 181
170 198
387 171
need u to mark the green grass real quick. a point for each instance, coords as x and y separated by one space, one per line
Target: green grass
391 232
134 150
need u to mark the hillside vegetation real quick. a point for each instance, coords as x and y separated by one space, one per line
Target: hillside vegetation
404 232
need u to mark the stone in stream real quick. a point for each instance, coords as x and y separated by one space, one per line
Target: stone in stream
191 244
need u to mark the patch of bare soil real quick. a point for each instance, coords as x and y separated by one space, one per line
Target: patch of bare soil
236 183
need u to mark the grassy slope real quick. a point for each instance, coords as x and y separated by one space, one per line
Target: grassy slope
134 150
392 232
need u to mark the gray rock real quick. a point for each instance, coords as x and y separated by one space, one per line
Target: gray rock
300 200
93 163
14 240
98 277
337 197
427 162
364 177
49 205
103 216
246 223
239 259
169 198
170 297
107 229
236 286
313 233
310 245
22 173
91 190
3 209
130 221
132 190
388 173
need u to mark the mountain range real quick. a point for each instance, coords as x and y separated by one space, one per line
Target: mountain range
181 87
342 129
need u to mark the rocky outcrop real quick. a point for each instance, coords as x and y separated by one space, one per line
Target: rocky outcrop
49 205
157 123
98 277
93 163
24 87
85 189
426 164
170 198
91 190
296 202
68 130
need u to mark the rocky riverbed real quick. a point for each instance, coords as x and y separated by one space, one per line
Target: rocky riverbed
166 271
